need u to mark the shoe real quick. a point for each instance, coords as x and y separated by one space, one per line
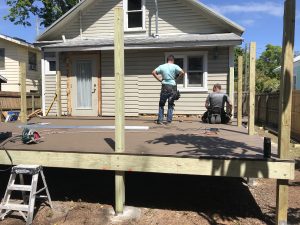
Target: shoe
159 122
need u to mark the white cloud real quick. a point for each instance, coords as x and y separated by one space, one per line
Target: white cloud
247 22
270 8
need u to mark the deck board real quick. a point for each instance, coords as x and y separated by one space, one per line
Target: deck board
189 138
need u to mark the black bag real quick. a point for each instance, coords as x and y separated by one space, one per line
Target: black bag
177 95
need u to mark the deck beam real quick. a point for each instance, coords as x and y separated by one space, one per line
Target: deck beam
254 168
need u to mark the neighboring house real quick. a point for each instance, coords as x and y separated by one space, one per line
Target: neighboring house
296 72
80 45
12 52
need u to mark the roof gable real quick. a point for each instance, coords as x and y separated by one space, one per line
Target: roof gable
71 17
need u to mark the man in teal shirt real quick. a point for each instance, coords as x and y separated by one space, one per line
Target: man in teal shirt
167 75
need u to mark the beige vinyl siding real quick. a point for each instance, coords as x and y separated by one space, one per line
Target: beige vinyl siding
108 88
179 16
175 16
97 21
33 77
50 89
11 70
138 68
14 54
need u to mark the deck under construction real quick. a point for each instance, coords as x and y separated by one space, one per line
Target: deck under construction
186 147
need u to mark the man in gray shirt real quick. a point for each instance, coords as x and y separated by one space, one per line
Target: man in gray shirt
215 104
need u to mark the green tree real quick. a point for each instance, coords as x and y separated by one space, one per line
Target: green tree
267 79
47 10
269 60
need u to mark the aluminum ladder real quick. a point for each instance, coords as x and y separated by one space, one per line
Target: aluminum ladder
25 207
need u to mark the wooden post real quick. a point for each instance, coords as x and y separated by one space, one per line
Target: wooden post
120 109
58 85
231 77
32 103
240 91
246 68
22 78
251 116
285 104
58 93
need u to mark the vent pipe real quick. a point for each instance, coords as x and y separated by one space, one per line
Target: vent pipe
156 20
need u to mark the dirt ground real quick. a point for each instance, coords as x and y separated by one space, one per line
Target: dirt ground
86 197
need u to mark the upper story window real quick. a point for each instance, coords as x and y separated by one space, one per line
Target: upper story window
2 58
195 66
32 61
134 15
50 63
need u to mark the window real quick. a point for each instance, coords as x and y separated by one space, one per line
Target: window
195 66
32 61
2 58
50 63
134 15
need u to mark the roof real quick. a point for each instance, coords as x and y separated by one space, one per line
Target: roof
84 3
184 40
3 79
18 41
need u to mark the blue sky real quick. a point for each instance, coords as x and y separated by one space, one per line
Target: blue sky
261 18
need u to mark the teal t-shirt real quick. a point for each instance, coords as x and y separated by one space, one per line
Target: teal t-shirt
168 72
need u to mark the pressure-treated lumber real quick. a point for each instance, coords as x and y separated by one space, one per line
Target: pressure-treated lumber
58 93
256 168
252 74
285 103
51 105
22 78
120 106
240 91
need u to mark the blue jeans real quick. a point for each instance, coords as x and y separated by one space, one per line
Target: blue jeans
167 93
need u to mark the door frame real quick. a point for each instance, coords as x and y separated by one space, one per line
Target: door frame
71 59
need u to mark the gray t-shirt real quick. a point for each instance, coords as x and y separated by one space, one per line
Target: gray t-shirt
217 99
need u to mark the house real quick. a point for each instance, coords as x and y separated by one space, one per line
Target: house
80 46
13 51
296 72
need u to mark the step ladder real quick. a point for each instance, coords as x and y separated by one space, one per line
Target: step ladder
25 207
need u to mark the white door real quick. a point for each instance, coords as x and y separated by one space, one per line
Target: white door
84 88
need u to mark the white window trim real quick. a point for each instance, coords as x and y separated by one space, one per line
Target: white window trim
141 29
184 87
47 65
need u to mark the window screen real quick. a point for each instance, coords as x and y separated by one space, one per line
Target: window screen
32 61
135 13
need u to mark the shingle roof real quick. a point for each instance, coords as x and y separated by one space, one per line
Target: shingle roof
183 40
18 41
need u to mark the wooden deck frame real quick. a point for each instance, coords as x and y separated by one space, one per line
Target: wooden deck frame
254 168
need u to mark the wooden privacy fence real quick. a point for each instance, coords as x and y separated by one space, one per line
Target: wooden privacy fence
12 101
267 112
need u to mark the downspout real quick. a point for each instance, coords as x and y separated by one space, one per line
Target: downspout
156 20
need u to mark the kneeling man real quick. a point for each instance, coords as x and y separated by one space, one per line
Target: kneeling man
215 104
